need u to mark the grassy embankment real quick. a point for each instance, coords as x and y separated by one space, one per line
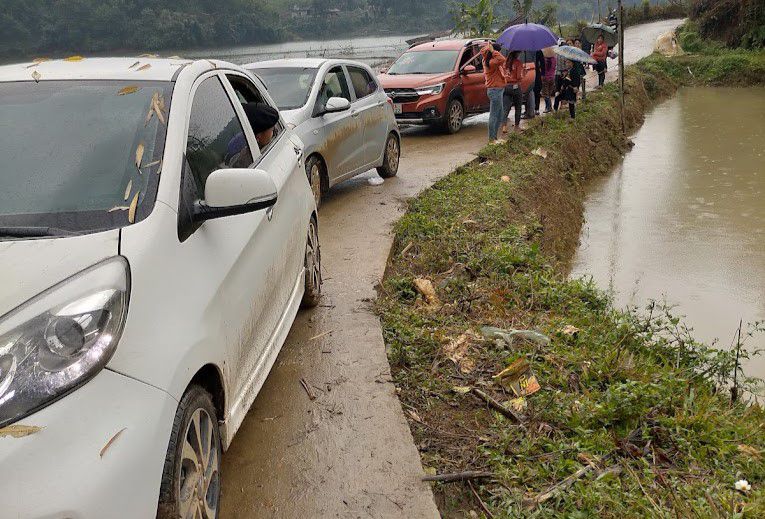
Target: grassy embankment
629 399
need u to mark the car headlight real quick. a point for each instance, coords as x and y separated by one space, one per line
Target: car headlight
431 90
60 339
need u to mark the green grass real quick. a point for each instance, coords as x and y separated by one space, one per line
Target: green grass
632 388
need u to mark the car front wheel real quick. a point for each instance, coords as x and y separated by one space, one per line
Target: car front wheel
455 114
191 477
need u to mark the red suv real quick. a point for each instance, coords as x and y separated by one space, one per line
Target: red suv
439 83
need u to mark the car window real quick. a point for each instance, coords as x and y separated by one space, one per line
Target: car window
334 85
363 83
289 86
216 138
246 92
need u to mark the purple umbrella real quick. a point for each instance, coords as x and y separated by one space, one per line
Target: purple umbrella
527 36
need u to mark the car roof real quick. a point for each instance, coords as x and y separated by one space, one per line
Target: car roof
450 44
129 68
289 63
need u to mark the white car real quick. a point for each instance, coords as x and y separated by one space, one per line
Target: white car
152 260
341 114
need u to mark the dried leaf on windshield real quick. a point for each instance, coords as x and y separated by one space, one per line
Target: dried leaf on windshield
118 208
134 65
132 209
158 107
128 90
37 61
36 76
148 56
146 66
139 155
151 164
74 59
128 189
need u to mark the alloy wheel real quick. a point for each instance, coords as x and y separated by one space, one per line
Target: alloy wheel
393 154
315 180
199 482
313 257
455 116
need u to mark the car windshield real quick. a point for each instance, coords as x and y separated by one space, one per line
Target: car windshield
80 156
425 62
289 86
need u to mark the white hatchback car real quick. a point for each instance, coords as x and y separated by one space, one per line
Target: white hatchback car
152 260
341 114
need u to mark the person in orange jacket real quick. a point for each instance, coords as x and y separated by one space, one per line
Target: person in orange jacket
493 63
600 53
513 94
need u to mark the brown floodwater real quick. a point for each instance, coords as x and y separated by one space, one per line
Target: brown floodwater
683 217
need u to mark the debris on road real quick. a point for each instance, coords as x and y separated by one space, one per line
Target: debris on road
376 181
509 335
425 288
459 476
458 351
320 335
540 152
519 378
509 413
311 395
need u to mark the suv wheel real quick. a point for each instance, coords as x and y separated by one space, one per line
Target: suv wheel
191 477
312 294
455 114
392 157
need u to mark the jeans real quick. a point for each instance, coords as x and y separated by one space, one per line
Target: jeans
601 67
495 111
512 98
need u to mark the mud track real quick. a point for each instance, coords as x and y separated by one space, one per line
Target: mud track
348 452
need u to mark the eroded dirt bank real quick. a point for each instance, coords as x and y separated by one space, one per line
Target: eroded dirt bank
348 452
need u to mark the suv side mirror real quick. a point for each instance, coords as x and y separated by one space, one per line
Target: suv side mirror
231 192
469 69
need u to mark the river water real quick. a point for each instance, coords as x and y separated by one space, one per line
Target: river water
374 51
683 217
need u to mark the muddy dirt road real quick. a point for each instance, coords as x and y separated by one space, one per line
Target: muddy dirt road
348 452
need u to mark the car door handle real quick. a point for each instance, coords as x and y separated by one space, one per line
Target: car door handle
355 113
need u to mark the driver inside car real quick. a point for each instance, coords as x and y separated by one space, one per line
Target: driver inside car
263 119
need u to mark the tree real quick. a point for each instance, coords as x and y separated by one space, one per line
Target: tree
475 20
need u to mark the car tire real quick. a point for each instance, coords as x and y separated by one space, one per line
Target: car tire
392 157
313 281
314 169
455 115
192 467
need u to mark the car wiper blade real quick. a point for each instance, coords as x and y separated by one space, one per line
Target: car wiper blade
33 232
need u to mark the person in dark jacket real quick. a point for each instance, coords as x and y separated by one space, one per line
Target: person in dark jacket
569 87
539 61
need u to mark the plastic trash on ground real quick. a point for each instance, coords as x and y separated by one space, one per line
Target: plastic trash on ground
510 335
376 181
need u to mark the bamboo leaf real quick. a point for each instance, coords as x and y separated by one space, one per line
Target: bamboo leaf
128 90
132 209
128 189
139 155
143 67
74 59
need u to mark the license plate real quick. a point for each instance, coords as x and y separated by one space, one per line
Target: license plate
398 109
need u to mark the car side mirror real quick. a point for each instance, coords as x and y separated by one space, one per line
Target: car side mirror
336 104
231 192
469 69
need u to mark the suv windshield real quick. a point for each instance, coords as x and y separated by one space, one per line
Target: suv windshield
289 87
76 155
425 62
